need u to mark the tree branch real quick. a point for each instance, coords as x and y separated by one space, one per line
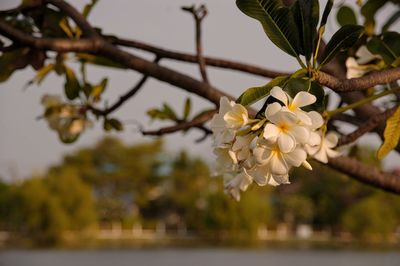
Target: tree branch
357 84
101 47
370 125
211 61
366 174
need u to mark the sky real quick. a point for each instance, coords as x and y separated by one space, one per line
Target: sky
28 146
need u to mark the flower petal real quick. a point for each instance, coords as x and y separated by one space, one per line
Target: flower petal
303 117
279 94
301 134
272 109
315 139
316 119
321 156
280 179
331 140
332 153
237 117
278 165
260 175
242 141
286 143
271 131
224 105
302 99
296 157
262 155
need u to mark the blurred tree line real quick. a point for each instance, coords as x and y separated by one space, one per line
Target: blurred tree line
131 184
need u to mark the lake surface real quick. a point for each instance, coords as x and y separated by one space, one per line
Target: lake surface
196 257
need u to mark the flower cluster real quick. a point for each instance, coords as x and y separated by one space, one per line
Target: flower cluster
67 119
264 150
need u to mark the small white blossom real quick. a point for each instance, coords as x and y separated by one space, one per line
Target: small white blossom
357 68
226 159
279 161
221 132
241 146
237 183
294 105
325 150
286 130
237 117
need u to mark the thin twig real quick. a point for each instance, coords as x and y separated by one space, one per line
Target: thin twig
199 14
371 124
189 58
347 118
132 92
197 123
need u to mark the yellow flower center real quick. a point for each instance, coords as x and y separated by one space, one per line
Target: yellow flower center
284 127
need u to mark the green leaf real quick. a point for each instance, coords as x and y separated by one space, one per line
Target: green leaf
169 112
71 86
60 66
255 94
393 18
99 60
343 39
387 45
43 72
112 123
68 139
327 11
187 108
157 114
97 90
88 8
277 21
11 61
346 15
369 10
391 135
306 15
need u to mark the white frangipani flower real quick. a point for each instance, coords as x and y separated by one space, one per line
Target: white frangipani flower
241 146
237 117
237 183
286 130
226 159
262 176
357 68
222 133
279 161
325 150
293 105
316 122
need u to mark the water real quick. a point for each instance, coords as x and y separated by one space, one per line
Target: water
199 257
